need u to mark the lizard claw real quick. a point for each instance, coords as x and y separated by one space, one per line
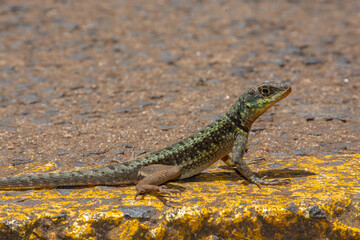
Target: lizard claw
140 192
261 181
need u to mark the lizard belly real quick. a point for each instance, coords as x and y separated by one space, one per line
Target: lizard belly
192 168
197 167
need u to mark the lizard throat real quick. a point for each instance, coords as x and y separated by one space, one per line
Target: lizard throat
238 123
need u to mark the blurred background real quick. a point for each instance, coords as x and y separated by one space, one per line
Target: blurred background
85 83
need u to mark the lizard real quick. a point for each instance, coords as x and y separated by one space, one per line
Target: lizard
184 159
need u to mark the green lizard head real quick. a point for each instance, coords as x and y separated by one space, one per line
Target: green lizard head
259 99
255 101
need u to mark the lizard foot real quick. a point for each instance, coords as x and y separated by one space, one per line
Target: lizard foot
261 181
153 189
165 190
140 192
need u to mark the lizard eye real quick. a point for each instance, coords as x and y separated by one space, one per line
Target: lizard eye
265 91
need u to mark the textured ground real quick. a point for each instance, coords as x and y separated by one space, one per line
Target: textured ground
84 83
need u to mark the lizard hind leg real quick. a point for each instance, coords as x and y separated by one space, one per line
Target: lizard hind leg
155 175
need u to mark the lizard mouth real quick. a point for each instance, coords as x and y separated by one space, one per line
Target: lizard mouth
286 92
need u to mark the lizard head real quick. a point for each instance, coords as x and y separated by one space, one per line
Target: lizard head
257 100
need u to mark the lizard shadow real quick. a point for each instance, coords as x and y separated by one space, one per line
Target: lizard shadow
234 176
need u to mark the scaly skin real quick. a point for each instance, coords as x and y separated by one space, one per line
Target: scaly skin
181 160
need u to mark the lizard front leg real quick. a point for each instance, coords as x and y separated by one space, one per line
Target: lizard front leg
237 159
155 175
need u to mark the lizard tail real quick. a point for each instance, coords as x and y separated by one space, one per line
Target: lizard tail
109 175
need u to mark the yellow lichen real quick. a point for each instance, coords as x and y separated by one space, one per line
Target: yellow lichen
230 208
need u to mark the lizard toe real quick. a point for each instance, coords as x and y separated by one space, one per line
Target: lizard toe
261 181
140 192
166 190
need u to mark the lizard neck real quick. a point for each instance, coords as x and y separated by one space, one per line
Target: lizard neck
239 115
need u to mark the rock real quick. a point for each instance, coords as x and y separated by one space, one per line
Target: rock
292 208
144 212
315 212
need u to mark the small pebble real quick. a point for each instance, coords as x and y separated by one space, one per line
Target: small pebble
312 60
79 164
128 145
118 152
315 212
299 152
167 127
29 99
142 151
168 58
20 160
310 118
62 152
122 110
